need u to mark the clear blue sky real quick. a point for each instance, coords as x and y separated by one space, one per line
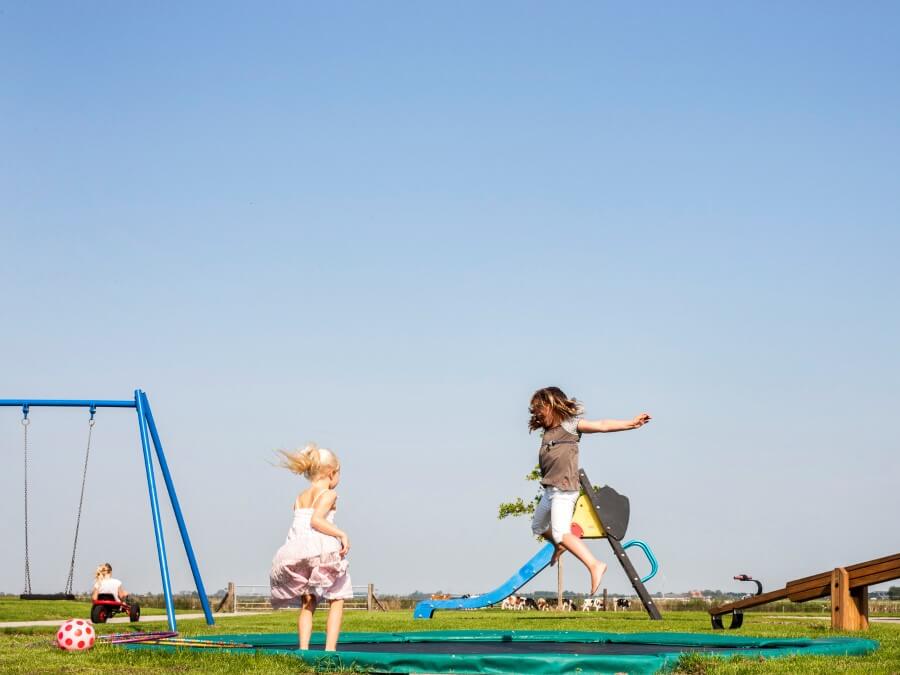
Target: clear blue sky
383 226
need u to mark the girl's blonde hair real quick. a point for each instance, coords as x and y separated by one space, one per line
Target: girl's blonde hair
312 461
561 406
103 572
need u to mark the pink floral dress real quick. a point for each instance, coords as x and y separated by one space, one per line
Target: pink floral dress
309 562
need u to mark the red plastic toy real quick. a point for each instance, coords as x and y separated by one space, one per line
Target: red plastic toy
107 605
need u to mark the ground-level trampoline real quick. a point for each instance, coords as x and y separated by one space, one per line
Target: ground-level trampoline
522 651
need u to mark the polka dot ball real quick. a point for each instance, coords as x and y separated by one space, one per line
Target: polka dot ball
76 635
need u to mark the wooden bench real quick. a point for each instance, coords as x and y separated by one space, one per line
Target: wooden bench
847 587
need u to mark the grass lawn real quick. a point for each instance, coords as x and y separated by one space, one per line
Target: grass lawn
30 650
13 609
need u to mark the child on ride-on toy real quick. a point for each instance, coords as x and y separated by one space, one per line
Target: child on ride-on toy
110 597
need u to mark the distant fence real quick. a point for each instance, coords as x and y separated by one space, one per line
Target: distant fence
876 606
256 598
884 606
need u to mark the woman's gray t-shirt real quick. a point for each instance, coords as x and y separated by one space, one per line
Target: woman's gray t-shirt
558 455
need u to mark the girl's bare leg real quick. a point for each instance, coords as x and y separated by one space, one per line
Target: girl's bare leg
560 549
583 553
333 624
305 620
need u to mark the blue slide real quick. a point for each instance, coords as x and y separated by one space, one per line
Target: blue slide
528 571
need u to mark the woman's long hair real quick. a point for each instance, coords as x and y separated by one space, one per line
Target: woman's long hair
561 407
312 461
104 571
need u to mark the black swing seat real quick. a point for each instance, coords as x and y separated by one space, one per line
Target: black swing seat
46 596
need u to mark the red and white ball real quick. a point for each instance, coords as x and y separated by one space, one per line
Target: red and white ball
76 635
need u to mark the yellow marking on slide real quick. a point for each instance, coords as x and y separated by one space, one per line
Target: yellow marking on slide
587 520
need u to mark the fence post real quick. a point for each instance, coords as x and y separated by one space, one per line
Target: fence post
233 598
605 601
559 585
370 598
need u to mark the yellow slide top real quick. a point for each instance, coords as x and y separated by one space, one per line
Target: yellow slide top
585 522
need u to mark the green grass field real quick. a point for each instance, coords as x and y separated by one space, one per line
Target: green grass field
31 650
13 609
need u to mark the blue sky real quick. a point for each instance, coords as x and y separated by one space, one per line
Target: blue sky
382 227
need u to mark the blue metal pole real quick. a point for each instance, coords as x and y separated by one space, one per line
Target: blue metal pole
154 509
176 507
61 403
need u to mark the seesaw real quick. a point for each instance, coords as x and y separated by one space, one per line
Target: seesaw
847 587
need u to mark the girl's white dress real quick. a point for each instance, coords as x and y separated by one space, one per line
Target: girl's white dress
309 562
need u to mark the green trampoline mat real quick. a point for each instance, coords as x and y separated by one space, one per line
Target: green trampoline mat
524 651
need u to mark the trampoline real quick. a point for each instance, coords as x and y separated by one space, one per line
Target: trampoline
523 651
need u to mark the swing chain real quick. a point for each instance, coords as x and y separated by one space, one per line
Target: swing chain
25 423
87 454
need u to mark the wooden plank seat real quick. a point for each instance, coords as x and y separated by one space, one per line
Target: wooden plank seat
847 587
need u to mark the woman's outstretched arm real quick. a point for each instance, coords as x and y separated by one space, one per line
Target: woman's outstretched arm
605 426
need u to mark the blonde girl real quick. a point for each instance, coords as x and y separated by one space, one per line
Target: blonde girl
104 584
561 423
312 563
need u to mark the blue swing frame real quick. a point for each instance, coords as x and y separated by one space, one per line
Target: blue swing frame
148 434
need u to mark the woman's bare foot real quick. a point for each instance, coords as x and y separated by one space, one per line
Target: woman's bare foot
557 553
597 572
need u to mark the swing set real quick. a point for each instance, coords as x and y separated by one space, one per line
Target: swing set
148 434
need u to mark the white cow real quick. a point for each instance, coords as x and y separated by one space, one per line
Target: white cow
592 605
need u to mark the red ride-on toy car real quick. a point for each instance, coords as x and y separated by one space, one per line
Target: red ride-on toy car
107 605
